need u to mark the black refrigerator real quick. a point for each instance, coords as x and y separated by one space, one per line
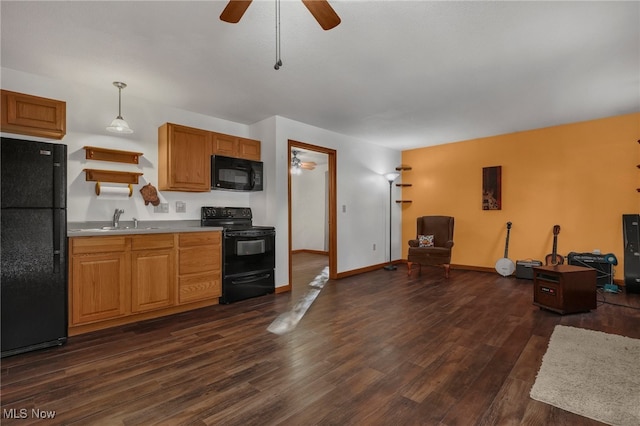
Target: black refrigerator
33 202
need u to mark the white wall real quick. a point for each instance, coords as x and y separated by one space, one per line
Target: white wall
89 111
308 217
362 190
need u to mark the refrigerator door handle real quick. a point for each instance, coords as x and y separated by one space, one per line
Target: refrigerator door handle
57 258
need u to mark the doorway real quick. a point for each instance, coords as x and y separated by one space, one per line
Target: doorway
329 205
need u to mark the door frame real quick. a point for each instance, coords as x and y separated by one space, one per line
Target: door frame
333 205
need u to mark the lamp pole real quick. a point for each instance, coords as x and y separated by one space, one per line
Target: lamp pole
390 177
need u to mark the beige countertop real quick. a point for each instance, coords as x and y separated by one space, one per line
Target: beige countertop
89 229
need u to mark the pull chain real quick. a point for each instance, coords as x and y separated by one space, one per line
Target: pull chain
278 59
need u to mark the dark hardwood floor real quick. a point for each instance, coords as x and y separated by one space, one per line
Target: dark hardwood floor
305 267
378 348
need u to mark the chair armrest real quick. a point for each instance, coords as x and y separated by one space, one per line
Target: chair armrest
414 243
448 244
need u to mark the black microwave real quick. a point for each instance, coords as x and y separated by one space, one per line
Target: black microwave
236 174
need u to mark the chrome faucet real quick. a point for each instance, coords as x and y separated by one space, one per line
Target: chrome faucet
116 217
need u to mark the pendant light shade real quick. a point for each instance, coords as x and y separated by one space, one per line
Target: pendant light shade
391 176
118 125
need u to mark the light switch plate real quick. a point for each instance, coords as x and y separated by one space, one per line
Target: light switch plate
181 207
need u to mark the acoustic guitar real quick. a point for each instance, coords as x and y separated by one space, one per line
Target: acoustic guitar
554 258
505 266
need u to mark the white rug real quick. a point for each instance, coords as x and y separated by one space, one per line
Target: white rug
593 374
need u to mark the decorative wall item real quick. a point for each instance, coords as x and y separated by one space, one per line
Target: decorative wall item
492 188
150 195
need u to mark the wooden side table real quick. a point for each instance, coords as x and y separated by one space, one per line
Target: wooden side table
565 289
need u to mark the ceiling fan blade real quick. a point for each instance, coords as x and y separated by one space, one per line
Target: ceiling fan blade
309 165
323 12
234 11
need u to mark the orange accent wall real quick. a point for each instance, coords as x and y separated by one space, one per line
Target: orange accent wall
581 176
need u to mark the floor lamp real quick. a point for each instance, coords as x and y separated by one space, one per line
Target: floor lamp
390 177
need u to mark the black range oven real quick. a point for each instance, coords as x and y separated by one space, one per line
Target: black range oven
248 253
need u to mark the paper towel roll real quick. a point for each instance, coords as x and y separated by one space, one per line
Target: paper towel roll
118 192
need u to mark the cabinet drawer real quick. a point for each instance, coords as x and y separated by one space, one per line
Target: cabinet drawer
154 241
199 238
199 259
199 287
87 245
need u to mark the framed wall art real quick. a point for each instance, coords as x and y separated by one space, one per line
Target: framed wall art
492 188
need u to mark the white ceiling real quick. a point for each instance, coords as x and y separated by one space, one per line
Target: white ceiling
398 73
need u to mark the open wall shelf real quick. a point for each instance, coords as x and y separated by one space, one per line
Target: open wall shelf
111 176
403 168
104 154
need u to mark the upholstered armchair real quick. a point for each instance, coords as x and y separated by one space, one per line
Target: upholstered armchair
433 243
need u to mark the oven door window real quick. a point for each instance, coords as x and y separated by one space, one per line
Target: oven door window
250 247
247 254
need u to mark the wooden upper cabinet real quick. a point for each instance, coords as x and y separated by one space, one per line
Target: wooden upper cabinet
184 158
33 115
234 146
249 149
224 145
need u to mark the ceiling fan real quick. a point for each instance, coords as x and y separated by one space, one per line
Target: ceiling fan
320 9
297 165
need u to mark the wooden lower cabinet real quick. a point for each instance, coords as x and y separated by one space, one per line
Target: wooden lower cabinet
199 273
153 281
102 295
117 280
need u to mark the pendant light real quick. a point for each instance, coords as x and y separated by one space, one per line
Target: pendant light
118 125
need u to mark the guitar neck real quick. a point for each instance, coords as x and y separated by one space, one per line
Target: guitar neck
506 245
554 252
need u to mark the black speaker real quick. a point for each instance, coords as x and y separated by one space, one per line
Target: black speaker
602 263
631 244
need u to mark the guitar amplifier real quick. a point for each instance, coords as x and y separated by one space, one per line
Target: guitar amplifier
524 268
602 263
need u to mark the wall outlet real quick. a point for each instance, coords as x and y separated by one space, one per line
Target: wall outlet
181 207
161 208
